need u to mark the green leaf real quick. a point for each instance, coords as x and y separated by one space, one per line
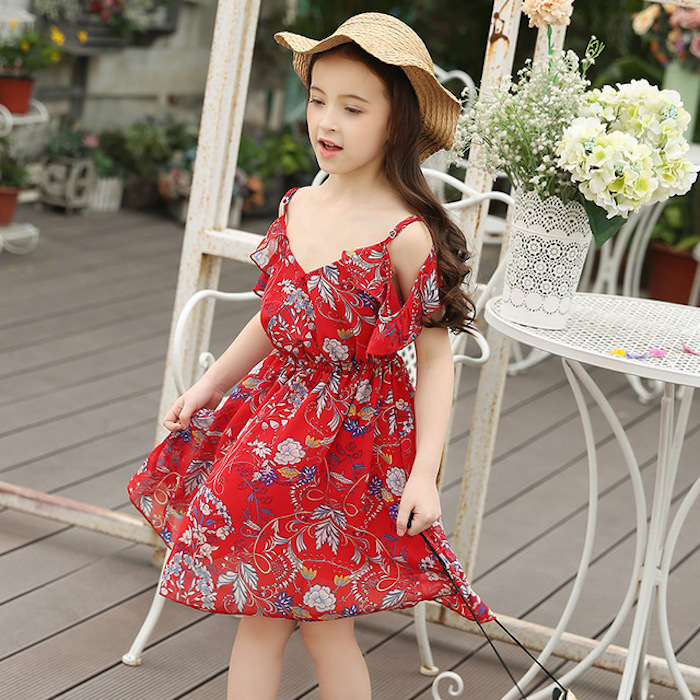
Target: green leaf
602 227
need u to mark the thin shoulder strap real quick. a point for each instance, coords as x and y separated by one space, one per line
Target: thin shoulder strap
401 226
285 200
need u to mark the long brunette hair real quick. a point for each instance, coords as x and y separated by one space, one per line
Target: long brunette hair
402 169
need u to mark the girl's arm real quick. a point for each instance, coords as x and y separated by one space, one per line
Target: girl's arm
250 346
434 389
433 403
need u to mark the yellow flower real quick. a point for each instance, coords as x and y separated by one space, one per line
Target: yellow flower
24 46
308 574
57 36
82 36
341 580
55 56
14 24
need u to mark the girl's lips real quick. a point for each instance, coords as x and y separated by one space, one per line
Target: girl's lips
328 148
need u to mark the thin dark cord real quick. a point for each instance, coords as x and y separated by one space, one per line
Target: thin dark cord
499 623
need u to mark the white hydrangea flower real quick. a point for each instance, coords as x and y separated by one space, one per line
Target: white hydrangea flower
627 149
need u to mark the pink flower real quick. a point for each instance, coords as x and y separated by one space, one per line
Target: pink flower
695 46
685 19
90 141
548 12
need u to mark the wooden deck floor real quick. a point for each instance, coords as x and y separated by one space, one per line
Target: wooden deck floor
84 320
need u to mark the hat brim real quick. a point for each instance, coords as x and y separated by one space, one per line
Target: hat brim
439 108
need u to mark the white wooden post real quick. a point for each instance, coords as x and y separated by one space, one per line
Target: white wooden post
214 171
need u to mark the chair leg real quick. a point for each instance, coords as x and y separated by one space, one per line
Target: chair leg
428 668
133 656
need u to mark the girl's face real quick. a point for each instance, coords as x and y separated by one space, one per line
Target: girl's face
348 116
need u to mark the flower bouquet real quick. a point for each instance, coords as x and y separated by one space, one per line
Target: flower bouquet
580 160
673 33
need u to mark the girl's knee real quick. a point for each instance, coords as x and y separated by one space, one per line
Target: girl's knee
325 637
265 631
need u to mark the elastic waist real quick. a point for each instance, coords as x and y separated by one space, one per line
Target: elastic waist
350 366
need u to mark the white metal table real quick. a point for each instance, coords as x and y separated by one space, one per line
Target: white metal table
654 340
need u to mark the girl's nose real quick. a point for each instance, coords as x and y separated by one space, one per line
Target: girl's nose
327 122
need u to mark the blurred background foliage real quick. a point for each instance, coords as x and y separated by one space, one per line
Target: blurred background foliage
456 32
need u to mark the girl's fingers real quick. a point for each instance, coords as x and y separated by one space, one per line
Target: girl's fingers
173 417
404 519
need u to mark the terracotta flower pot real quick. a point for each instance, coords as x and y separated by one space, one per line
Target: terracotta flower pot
16 93
671 273
8 204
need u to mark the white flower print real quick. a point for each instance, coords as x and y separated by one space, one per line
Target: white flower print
402 405
364 391
320 598
289 451
396 480
335 349
205 551
222 533
259 448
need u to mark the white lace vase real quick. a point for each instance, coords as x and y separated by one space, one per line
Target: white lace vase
549 242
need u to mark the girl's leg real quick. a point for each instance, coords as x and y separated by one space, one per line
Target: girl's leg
340 666
256 659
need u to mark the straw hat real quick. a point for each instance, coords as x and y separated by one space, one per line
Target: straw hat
391 41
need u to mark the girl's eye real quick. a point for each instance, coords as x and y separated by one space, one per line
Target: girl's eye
353 110
315 101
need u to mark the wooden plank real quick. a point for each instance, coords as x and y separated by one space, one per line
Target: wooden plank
72 656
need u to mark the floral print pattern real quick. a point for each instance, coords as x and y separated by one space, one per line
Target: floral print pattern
283 501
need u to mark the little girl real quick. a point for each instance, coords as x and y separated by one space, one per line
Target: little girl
300 499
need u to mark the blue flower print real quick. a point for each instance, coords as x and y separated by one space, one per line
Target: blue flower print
354 427
351 611
375 485
307 474
283 602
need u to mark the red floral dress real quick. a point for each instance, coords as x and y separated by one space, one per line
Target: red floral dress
283 501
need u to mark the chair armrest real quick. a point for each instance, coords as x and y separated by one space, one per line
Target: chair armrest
206 359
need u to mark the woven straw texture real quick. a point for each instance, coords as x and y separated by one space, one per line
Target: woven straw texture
395 43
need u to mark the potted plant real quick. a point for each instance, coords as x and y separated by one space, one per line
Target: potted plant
671 264
22 54
69 171
107 194
175 182
14 177
275 161
110 24
580 161
141 152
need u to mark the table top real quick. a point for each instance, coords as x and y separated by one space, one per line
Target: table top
625 334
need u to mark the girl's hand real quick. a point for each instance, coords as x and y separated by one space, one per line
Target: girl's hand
420 502
201 395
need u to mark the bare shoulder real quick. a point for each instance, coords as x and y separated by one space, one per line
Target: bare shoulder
411 247
299 199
